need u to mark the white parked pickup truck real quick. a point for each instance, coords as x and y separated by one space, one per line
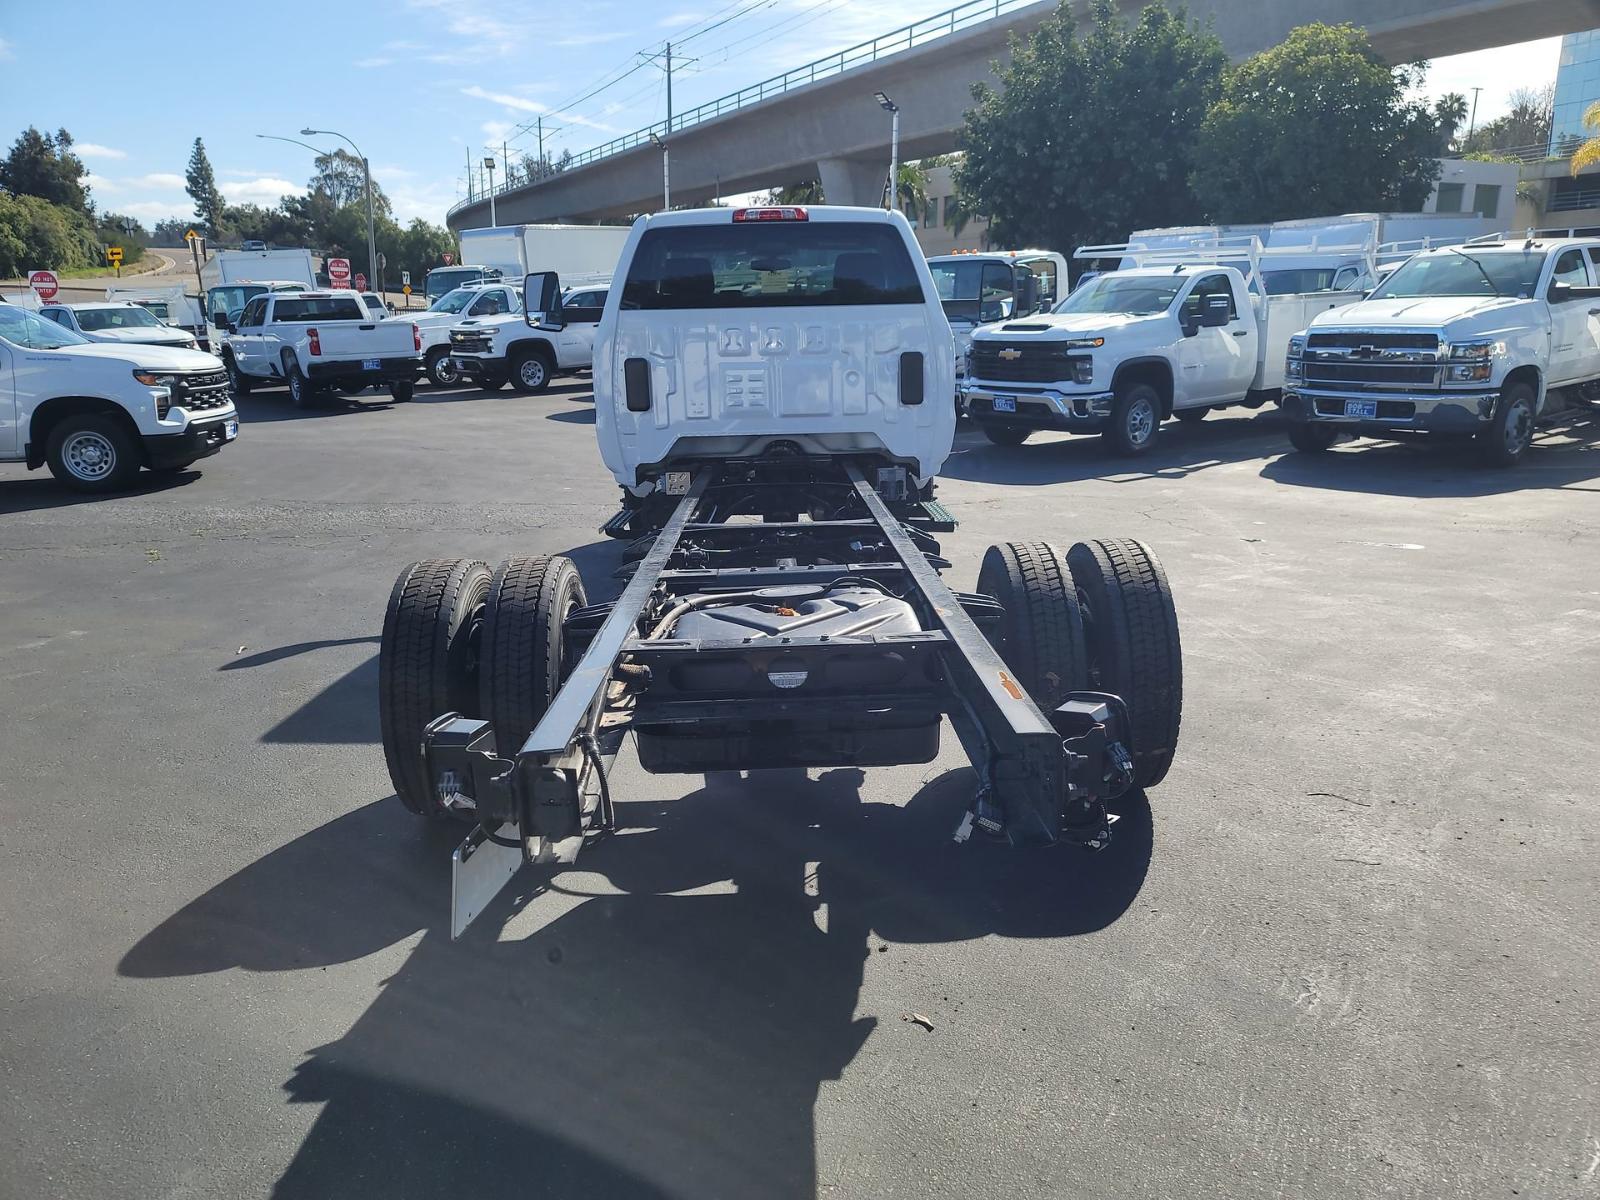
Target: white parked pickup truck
1481 339
492 350
1183 332
118 321
96 412
462 306
310 340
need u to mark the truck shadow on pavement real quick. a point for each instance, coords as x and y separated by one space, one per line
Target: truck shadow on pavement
658 1022
1180 450
40 492
1566 455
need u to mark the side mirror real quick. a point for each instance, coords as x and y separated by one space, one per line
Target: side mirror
1559 293
221 321
1214 312
541 300
1027 293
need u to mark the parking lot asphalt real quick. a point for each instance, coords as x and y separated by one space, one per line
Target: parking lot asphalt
1347 950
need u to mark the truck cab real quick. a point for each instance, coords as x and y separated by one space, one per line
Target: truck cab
118 321
1481 340
981 287
732 332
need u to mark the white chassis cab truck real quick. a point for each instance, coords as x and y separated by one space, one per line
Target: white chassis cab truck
1178 334
1483 339
307 341
96 412
769 392
491 350
980 287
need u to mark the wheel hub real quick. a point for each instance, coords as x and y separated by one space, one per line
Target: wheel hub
89 456
1141 422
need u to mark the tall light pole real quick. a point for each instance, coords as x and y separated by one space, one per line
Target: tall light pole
666 173
1472 123
893 109
488 165
366 171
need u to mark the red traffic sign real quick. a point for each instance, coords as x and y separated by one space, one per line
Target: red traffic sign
44 284
339 272
361 282
448 258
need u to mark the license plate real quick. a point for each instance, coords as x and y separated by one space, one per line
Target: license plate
1361 408
1005 404
371 364
230 430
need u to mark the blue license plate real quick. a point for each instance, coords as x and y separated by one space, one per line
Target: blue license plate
371 364
230 429
1361 408
1005 404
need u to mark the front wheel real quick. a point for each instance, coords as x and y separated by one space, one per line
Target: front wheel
1006 435
530 373
93 453
1134 418
1511 432
442 370
493 381
1312 437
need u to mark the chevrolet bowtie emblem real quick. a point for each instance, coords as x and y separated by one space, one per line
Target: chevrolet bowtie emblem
1008 354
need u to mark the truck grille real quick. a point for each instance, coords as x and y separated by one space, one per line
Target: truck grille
1354 360
470 341
1023 362
200 393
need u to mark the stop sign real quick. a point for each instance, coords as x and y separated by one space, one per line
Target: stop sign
339 272
361 283
44 284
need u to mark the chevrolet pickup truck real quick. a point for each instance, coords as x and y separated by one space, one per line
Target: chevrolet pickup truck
1180 333
308 341
1483 339
97 412
492 350
467 304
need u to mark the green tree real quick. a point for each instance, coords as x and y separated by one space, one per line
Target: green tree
44 166
340 177
169 232
797 193
201 184
1091 135
1525 125
116 229
422 247
36 233
1317 125
912 189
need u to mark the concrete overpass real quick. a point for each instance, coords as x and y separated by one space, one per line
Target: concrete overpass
820 121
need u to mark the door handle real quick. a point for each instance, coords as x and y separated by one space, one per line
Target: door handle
1594 312
1241 333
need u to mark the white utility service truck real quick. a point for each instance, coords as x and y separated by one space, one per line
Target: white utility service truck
1177 334
1483 339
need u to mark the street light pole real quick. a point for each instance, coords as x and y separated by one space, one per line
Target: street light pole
666 172
893 110
366 171
488 165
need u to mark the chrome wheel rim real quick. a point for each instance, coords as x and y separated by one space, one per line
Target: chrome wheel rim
90 456
532 372
444 372
1518 427
1141 422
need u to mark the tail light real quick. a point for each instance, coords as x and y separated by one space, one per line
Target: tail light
416 338
316 342
783 213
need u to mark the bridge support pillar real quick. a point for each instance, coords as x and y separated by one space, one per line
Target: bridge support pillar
851 181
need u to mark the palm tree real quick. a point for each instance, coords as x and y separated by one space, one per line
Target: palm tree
1588 154
912 189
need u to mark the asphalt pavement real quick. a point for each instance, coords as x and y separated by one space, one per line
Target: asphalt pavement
1348 949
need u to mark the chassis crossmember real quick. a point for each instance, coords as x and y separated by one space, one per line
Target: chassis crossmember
723 530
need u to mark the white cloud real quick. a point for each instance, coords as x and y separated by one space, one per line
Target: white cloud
156 181
497 131
96 150
148 212
5 48
370 63
679 19
264 189
523 104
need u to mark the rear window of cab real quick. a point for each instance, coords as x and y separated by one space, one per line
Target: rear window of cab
771 264
320 308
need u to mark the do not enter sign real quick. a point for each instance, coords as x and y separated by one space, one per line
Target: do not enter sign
339 272
361 282
44 284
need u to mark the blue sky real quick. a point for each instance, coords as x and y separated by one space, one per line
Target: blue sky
417 83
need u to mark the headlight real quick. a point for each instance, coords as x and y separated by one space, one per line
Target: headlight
1476 349
1470 372
1083 371
1085 343
156 379
1297 347
1292 369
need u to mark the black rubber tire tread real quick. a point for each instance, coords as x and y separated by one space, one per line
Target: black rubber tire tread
431 366
1005 435
523 356
1492 449
522 643
1310 437
1133 647
1043 629
402 391
424 666
125 445
236 378
493 381
1115 432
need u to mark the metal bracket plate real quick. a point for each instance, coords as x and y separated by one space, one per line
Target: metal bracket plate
479 868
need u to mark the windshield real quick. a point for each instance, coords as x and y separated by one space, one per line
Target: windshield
157 308
1137 295
230 301
453 302
319 308
23 328
1465 273
956 280
134 317
1299 282
771 264
444 279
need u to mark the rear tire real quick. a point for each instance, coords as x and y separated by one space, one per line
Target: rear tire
427 666
237 379
300 390
402 391
1005 435
1311 437
93 452
530 372
1042 637
1131 631
1135 417
1192 416
1511 432
524 645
